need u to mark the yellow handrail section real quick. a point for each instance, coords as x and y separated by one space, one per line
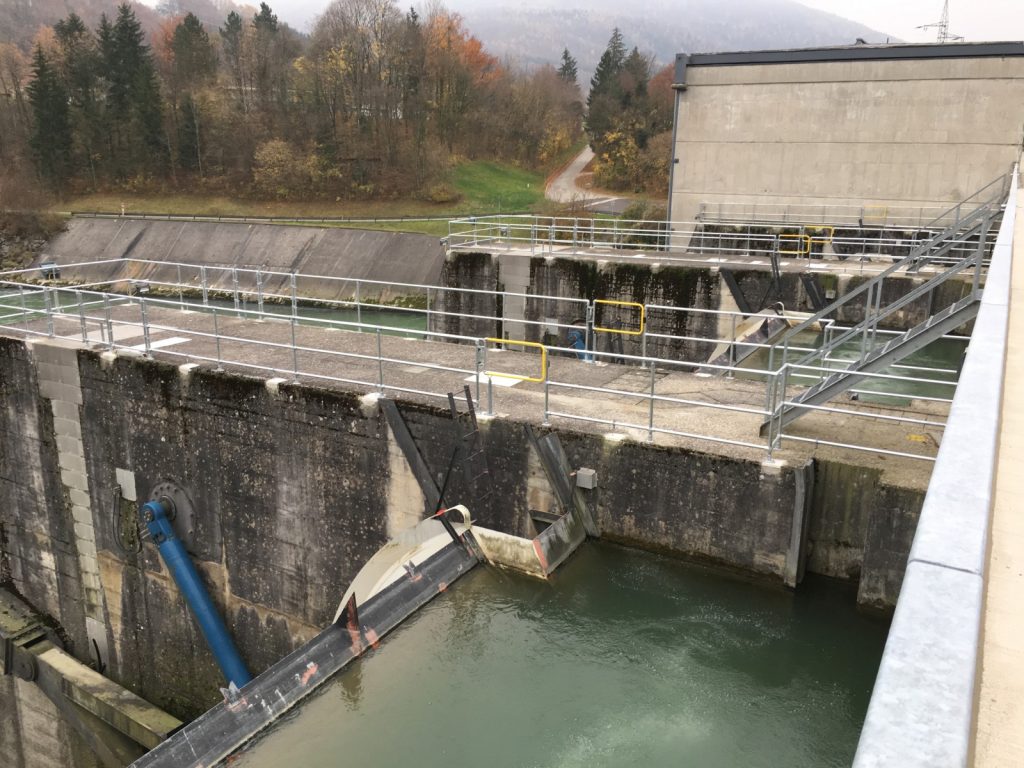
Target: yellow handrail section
532 344
805 239
823 235
613 303
882 216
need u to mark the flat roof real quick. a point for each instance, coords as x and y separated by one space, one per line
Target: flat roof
846 53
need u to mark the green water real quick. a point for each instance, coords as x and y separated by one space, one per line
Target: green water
401 320
946 355
408 323
625 659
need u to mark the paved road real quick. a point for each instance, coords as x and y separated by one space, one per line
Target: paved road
563 188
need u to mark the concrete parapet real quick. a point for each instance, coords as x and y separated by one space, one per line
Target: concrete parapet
923 709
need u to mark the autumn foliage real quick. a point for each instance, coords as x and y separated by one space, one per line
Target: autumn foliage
375 102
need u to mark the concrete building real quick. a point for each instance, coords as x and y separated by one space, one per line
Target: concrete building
870 131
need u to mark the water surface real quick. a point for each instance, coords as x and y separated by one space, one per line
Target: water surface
625 659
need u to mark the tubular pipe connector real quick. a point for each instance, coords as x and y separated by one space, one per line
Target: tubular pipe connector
155 517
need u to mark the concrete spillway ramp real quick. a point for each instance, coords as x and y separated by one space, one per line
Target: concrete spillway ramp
326 251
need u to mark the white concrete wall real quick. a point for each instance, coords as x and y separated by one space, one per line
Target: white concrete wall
886 135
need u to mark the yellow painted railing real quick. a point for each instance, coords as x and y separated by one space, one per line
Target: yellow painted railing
803 249
637 332
529 344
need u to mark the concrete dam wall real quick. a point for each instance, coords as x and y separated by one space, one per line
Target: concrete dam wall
296 487
350 253
667 285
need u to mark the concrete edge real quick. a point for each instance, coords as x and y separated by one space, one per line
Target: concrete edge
922 709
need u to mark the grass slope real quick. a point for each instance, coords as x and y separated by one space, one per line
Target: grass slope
488 187
485 187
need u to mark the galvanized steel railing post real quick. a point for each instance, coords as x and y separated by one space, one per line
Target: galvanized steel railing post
295 355
481 356
769 380
546 422
979 255
780 406
643 338
359 304
380 362
24 306
216 337
259 291
206 287
48 307
109 322
295 301
732 347
650 412
429 328
181 295
145 327
234 288
81 317
590 341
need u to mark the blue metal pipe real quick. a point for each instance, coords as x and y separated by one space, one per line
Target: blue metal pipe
154 516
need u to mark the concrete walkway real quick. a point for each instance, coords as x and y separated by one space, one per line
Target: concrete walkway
1000 734
563 188
580 394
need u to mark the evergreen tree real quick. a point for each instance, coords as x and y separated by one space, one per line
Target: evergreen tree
609 67
79 65
568 71
604 102
134 107
636 71
231 37
266 19
51 127
265 23
194 58
188 136
231 40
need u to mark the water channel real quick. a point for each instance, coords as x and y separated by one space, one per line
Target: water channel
624 659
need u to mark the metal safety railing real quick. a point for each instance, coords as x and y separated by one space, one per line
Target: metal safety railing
868 214
150 325
540 235
435 308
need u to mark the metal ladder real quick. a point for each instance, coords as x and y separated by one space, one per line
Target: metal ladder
476 470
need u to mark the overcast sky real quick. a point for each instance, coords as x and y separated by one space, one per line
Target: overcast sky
974 19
